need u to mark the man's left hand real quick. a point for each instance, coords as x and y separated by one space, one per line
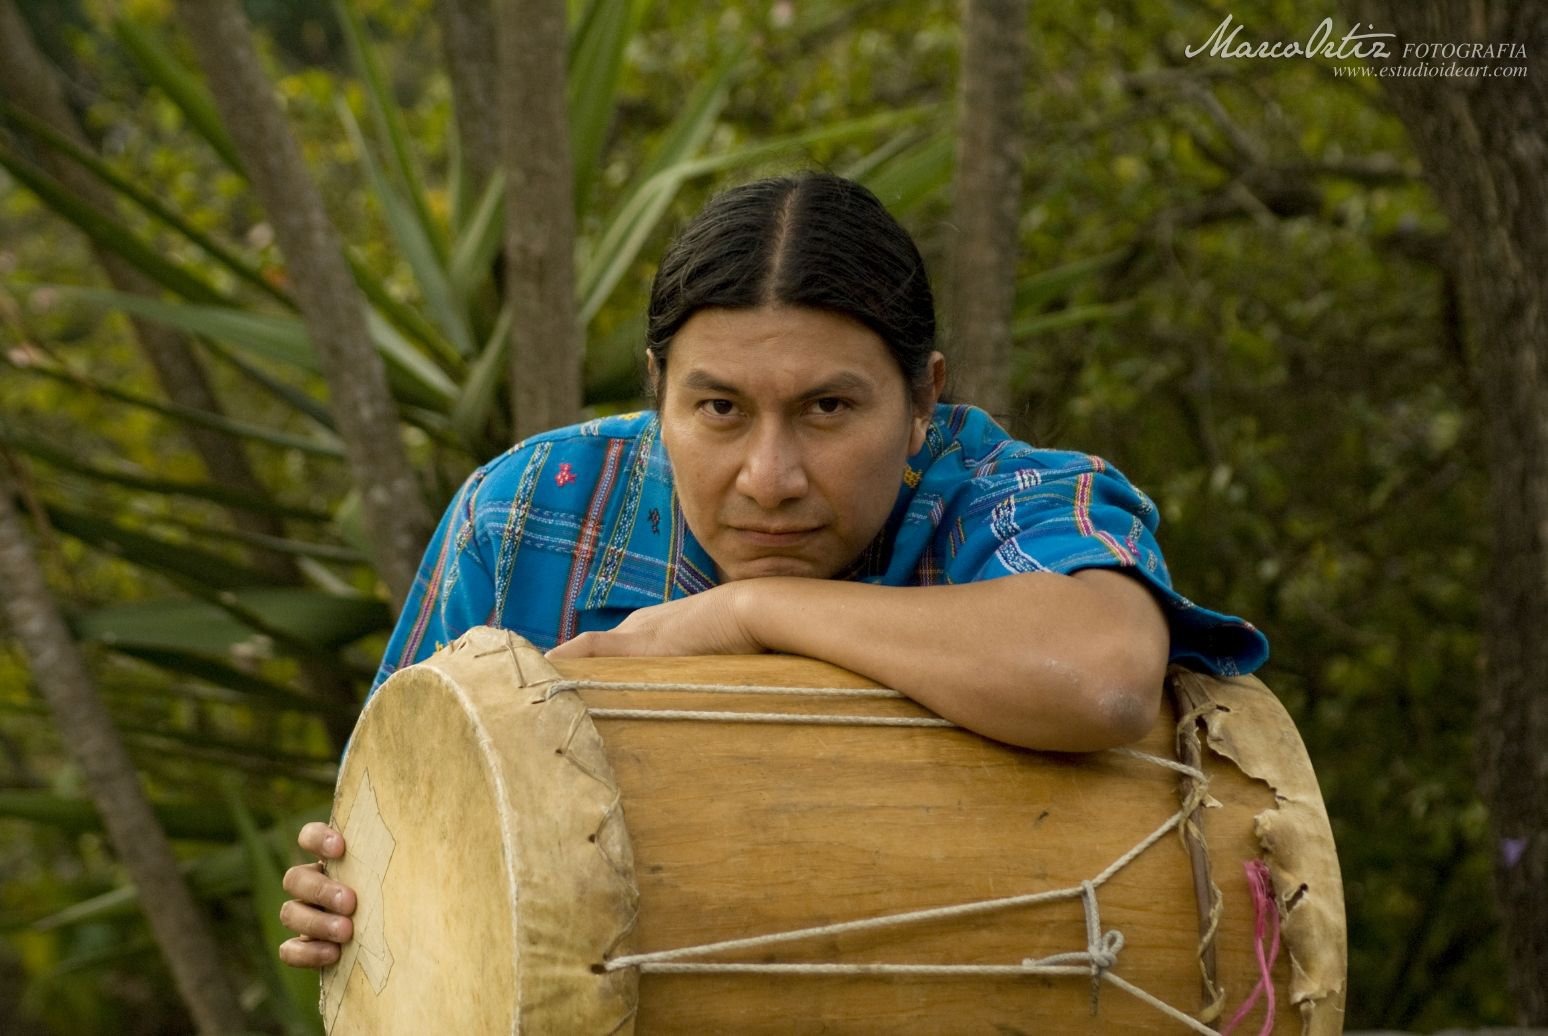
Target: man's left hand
706 623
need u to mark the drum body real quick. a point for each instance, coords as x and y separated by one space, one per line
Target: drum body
553 851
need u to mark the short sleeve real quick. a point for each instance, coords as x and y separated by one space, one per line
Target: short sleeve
453 590
1054 511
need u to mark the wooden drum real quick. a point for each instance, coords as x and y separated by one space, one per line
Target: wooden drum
769 844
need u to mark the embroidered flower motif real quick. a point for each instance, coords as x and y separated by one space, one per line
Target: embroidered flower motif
566 475
655 521
911 477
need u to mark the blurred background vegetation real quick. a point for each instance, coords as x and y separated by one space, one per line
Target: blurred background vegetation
1231 284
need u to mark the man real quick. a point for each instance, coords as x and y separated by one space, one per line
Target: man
800 489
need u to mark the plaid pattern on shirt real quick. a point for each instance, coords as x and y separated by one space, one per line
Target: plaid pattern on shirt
571 530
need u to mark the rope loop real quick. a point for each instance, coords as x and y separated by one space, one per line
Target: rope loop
1104 954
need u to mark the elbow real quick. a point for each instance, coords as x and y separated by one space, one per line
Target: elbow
1123 714
1086 710
1123 681
1121 698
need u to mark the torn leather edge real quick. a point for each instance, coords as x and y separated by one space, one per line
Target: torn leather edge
1249 727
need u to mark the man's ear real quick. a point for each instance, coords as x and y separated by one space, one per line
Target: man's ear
653 373
927 392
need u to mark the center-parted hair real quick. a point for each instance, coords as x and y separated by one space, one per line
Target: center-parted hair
815 240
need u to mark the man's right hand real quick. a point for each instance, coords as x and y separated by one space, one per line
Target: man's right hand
319 915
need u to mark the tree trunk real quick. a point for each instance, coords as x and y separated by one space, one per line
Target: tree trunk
30 82
986 200
539 215
1485 152
472 59
182 931
397 522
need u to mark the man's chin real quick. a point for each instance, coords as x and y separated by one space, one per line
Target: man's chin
763 568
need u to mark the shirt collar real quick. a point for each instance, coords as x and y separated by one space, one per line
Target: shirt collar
655 557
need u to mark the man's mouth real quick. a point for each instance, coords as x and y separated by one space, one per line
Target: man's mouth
775 535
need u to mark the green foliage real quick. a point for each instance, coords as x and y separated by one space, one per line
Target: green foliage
1225 288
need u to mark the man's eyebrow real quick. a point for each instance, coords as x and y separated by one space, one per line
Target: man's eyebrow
703 381
699 380
839 384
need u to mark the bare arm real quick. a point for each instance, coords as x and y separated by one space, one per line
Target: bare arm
1071 663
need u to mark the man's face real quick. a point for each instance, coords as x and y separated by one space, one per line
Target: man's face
788 430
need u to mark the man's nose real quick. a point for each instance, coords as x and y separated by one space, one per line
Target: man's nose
773 468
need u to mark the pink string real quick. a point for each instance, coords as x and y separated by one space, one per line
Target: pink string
1265 933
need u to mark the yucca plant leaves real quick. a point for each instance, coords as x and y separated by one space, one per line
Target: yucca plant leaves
290 395
479 242
282 339
231 683
413 378
406 318
1072 316
66 460
173 559
642 205
331 552
480 393
414 242
389 125
181 85
595 64
691 130
1051 285
214 875
255 759
185 820
107 232
915 173
294 989
198 627
124 187
109 953
328 446
198 746
276 337
613 369
867 165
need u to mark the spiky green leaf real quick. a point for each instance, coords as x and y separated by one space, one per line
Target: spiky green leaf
198 627
414 242
107 232
181 84
596 63
295 988
389 125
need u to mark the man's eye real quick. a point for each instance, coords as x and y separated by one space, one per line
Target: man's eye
830 405
718 407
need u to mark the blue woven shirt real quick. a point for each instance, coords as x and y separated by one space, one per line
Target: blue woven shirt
571 530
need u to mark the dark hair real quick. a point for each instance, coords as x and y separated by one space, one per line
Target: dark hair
814 240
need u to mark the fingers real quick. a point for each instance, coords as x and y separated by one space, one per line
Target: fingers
307 921
310 885
318 914
584 646
319 839
309 953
